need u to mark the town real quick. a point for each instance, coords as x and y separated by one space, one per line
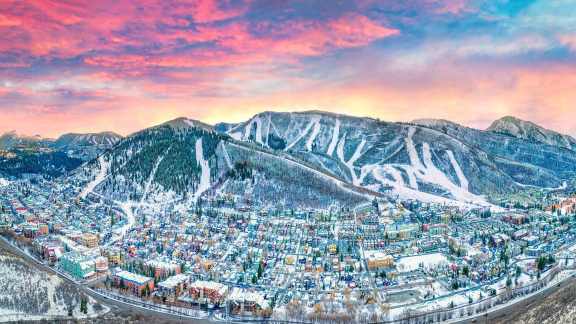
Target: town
224 258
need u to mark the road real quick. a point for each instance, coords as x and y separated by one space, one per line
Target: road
500 314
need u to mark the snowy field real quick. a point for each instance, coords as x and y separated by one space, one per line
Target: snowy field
427 261
29 294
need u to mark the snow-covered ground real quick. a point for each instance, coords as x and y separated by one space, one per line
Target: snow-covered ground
426 171
315 120
104 165
29 294
335 135
205 170
426 260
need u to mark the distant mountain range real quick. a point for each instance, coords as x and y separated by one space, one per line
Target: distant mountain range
12 140
318 159
37 155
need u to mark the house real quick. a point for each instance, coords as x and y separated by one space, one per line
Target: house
379 260
162 268
136 283
173 285
214 292
78 265
89 240
242 300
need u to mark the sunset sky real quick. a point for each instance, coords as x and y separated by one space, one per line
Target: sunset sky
82 66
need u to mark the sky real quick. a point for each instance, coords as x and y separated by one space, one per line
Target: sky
87 66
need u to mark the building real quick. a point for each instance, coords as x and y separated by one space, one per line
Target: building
173 285
133 282
242 300
48 248
379 260
101 264
78 265
89 240
214 292
163 269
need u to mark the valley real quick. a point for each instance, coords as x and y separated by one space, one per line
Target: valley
308 216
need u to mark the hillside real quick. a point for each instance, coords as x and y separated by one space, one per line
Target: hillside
522 129
429 160
183 159
317 159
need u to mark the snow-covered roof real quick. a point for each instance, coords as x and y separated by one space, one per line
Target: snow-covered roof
242 295
133 277
173 281
212 285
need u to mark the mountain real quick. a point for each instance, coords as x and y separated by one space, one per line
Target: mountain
183 159
21 155
317 159
86 147
12 140
429 160
518 128
107 139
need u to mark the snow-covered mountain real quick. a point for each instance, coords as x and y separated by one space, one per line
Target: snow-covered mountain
318 159
518 128
12 139
86 147
107 139
430 160
183 159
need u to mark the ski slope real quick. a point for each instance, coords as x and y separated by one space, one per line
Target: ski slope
104 165
315 132
205 170
335 135
315 120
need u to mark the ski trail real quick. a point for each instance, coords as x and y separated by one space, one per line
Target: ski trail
412 182
248 130
268 125
99 177
151 177
130 219
350 163
414 159
205 167
335 135
340 149
304 132
226 156
358 153
461 177
315 131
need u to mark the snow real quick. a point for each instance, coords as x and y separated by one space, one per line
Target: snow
256 120
315 131
226 156
151 178
426 260
4 182
313 121
104 165
236 135
355 156
426 171
335 135
126 207
461 177
205 175
412 153
411 178
19 279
